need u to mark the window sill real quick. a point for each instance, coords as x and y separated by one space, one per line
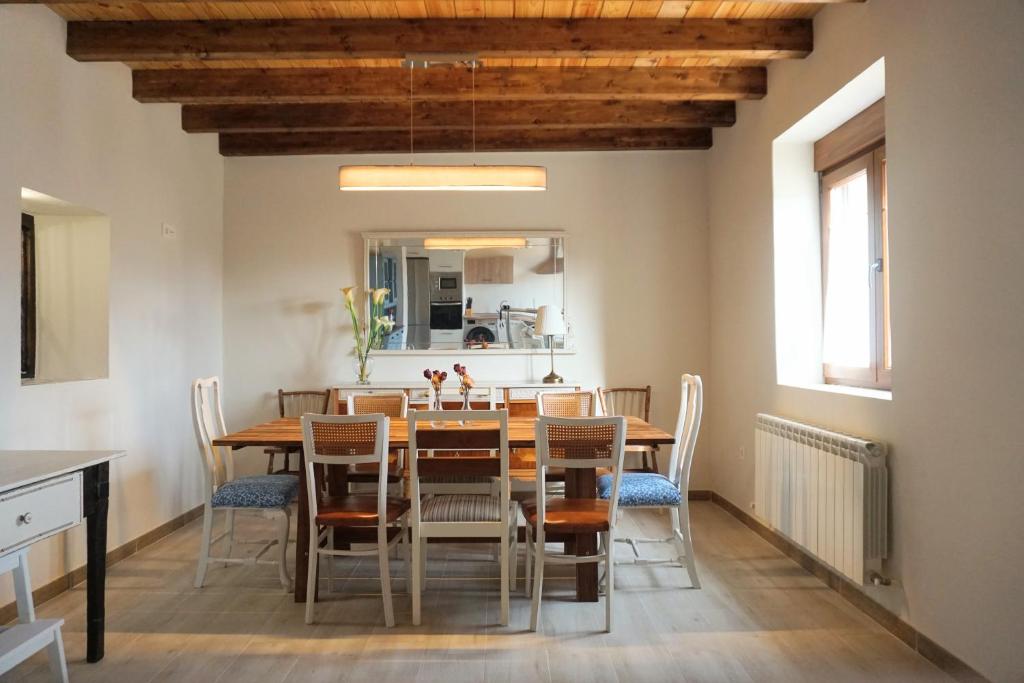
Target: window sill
877 394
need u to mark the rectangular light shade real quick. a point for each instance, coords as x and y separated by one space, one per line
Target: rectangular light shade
474 242
457 178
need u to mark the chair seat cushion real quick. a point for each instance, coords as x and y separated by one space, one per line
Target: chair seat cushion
264 491
461 508
355 510
570 515
638 489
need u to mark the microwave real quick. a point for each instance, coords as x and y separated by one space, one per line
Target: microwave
446 287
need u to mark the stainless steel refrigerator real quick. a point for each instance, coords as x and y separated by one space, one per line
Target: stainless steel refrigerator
417 294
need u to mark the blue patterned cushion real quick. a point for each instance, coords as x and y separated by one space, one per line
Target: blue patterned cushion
640 488
264 491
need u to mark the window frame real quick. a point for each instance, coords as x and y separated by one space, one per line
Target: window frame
873 162
28 297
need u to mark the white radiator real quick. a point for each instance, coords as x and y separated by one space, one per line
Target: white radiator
825 491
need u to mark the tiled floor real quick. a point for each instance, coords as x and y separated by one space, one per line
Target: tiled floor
759 617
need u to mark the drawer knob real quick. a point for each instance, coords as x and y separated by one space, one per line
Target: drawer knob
25 518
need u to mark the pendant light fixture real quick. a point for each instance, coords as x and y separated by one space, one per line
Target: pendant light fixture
464 178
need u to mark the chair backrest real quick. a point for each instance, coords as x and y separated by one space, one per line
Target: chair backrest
392 404
691 407
461 430
626 401
577 443
346 440
298 403
208 421
566 403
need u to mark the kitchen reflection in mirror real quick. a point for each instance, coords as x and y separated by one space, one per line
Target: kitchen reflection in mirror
465 290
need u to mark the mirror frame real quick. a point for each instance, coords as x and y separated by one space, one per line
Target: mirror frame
507 232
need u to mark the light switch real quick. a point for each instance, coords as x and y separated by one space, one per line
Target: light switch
168 231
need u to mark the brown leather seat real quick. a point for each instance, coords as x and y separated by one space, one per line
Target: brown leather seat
357 510
570 515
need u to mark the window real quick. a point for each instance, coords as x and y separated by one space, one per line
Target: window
856 339
28 297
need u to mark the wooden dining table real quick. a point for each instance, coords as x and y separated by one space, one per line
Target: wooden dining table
579 483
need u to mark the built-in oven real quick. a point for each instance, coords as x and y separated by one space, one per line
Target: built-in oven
445 287
446 316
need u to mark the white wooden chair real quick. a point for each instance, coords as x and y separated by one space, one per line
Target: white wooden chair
453 516
391 404
561 403
29 635
270 495
480 398
574 443
342 440
649 490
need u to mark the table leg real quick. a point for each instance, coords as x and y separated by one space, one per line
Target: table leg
582 483
302 534
96 496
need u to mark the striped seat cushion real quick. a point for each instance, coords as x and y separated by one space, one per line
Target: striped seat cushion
461 508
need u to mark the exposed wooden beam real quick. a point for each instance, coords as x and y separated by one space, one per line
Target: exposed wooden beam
251 86
361 142
395 38
203 2
281 118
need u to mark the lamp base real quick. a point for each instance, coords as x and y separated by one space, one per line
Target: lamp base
552 378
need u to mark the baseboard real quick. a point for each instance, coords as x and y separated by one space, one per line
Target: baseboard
48 591
927 648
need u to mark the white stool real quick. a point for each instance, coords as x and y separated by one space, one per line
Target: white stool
29 635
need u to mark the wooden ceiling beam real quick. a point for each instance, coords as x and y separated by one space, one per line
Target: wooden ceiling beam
395 38
493 115
439 140
254 86
203 2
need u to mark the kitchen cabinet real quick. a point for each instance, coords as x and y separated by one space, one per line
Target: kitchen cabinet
488 270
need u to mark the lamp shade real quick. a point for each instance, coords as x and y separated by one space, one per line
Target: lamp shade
426 178
549 321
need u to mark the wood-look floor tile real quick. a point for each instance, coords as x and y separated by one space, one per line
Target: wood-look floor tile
758 617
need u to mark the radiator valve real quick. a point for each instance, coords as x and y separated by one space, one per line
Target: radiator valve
879 580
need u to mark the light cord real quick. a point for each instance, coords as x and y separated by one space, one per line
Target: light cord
411 105
473 96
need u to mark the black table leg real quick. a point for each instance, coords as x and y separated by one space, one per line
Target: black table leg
96 485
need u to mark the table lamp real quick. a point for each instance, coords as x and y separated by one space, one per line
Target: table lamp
549 323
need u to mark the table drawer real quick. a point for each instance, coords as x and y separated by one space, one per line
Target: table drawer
39 510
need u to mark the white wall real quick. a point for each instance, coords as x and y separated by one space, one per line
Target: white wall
72 131
636 268
954 95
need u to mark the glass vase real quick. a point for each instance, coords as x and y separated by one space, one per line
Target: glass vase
363 368
436 404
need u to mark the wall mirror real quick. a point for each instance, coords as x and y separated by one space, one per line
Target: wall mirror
65 280
471 290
